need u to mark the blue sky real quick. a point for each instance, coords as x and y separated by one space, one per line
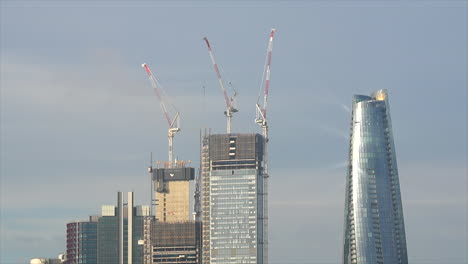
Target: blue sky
78 117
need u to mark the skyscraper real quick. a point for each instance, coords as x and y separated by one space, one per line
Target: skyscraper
123 235
172 192
173 234
374 229
232 199
82 242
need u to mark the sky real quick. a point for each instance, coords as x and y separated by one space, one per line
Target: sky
79 117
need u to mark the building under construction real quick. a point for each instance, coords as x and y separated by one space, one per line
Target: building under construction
173 233
175 242
172 193
234 183
233 198
231 216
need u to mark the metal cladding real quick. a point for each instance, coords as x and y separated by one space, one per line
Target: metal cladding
374 229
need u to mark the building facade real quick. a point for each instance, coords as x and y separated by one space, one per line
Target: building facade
123 233
232 199
173 233
82 242
374 231
174 242
172 193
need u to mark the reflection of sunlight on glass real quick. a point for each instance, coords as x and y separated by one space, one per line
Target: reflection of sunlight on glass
380 96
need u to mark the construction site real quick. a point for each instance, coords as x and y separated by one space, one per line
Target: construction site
217 213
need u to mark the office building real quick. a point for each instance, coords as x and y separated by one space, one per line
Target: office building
82 242
374 231
232 199
123 233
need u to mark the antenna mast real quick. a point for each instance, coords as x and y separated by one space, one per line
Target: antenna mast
174 123
230 101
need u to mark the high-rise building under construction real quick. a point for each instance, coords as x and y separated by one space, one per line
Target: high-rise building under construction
374 231
172 193
173 234
233 196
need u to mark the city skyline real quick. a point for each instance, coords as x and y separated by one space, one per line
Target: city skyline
76 108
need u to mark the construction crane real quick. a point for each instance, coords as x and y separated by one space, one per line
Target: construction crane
261 116
261 119
174 123
230 101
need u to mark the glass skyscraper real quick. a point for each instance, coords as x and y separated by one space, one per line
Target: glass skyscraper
374 229
123 233
82 242
232 199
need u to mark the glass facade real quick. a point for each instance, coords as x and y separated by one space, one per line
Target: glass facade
234 216
374 228
108 240
232 199
123 236
81 243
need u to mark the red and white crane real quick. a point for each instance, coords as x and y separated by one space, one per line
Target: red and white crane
230 101
173 123
261 119
261 116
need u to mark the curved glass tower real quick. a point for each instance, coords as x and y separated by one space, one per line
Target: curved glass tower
374 230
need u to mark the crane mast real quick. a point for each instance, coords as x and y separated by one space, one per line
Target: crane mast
173 123
261 119
261 116
230 101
